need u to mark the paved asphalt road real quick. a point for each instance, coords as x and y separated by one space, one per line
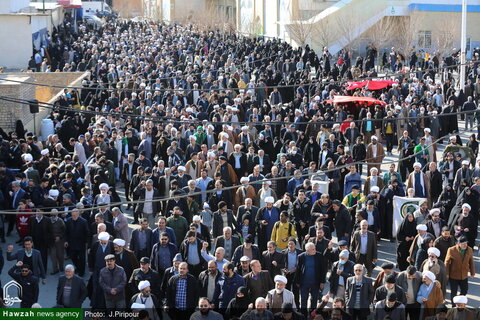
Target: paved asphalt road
386 252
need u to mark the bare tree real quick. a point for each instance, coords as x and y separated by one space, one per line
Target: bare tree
347 24
445 33
323 33
380 33
301 30
406 34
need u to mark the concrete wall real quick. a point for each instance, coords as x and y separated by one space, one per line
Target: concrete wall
15 41
10 112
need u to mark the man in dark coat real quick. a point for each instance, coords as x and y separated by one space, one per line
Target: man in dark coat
228 241
265 220
362 286
341 271
182 293
272 260
196 263
248 245
258 282
436 182
310 275
22 274
162 254
74 297
207 289
125 258
96 262
29 256
77 234
218 225
382 291
369 257
112 281
141 239
145 273
343 221
40 229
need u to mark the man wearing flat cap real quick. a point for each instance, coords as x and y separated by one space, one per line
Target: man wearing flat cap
460 311
459 262
145 272
387 269
112 281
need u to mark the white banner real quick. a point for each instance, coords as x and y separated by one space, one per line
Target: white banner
402 206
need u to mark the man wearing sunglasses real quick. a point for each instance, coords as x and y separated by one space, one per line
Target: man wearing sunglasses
21 273
205 311
359 294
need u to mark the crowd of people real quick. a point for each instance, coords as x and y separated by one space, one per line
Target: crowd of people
216 141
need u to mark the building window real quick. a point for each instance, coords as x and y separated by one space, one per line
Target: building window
468 44
425 39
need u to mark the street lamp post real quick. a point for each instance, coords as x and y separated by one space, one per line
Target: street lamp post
463 45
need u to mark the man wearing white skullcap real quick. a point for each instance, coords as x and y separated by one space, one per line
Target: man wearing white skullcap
460 311
436 266
418 241
418 181
375 154
435 224
458 262
429 295
464 174
374 180
280 295
467 223
267 217
146 299
125 258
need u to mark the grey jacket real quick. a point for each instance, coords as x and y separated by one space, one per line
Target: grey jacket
366 293
402 282
37 264
120 224
113 280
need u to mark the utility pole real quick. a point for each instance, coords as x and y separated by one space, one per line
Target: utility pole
463 45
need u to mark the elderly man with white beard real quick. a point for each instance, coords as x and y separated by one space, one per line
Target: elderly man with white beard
280 295
436 266
148 299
